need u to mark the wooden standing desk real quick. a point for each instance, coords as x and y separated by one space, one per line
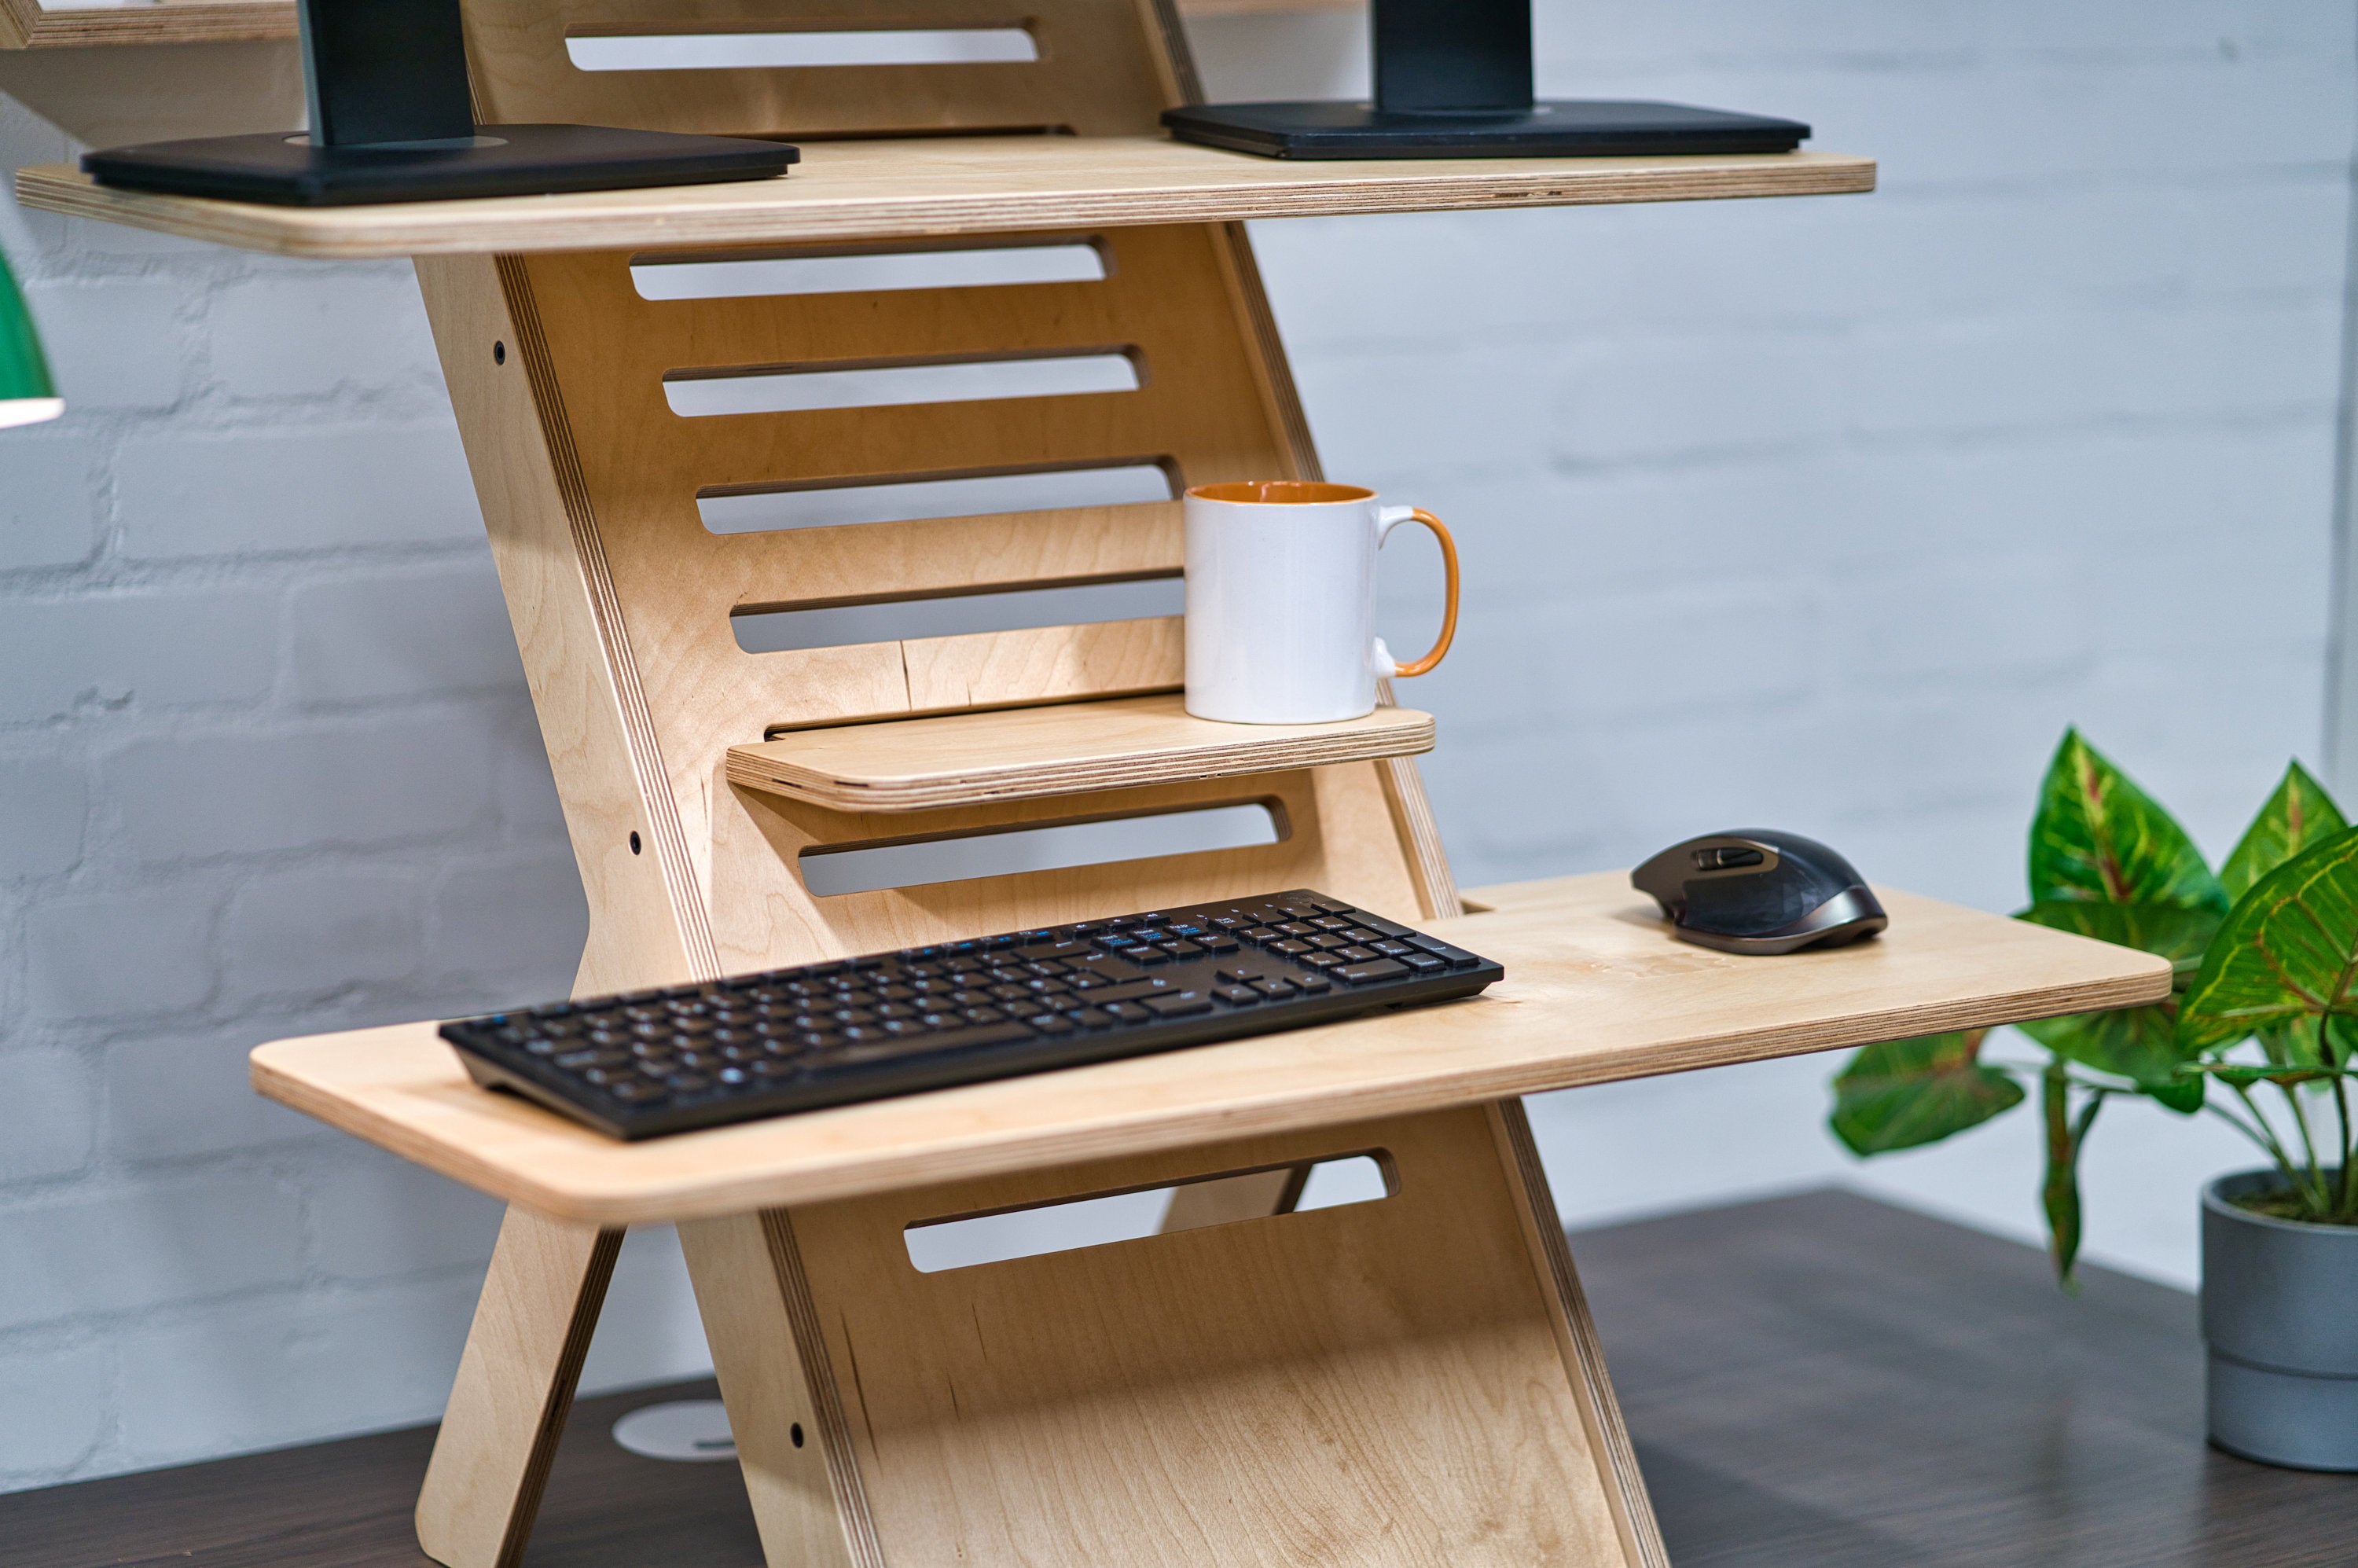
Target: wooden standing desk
1412 1380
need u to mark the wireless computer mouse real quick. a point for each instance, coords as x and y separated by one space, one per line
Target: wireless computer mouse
1760 893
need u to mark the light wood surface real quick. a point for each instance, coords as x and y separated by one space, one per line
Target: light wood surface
785 1408
622 598
28 24
1596 989
971 759
1376 1384
1577 1345
515 1382
845 191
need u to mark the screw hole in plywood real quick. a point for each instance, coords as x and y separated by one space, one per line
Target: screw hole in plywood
779 508
718 392
776 50
958 615
834 870
1102 1219
499 354
635 843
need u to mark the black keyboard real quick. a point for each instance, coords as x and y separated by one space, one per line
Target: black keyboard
665 1061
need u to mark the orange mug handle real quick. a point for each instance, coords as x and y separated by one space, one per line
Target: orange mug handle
1449 610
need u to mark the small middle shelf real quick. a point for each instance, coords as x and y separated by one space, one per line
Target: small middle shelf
968 759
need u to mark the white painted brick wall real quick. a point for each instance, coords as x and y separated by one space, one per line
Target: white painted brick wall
1827 514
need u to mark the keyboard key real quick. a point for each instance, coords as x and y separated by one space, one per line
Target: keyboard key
1217 942
1456 958
1374 970
1356 955
1236 996
1238 974
1130 993
1422 963
1177 1005
1317 985
1052 1023
1292 949
1273 988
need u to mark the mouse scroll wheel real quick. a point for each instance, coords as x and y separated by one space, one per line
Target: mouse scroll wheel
1724 859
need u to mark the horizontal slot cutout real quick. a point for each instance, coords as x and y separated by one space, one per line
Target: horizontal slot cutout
796 50
1039 1230
832 873
867 272
771 510
699 394
958 615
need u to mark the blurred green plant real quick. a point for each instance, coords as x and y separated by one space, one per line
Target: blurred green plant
2265 958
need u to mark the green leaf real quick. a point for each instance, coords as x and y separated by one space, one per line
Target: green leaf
2167 931
2249 1073
2139 1043
2183 1094
2287 953
2298 816
2098 837
1905 1093
2059 1193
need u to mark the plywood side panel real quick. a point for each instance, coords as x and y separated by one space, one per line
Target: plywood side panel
647 920
1095 76
1338 839
1373 1384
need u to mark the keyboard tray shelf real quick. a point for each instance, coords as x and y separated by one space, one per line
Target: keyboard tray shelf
1022 754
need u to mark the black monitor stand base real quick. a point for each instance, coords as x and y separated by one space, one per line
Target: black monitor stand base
1558 129
392 119
498 160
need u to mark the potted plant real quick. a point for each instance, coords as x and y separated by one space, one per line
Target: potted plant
2259 1030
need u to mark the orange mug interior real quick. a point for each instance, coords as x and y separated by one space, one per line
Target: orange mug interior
1281 493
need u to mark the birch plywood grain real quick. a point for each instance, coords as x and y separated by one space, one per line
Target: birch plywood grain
1335 834
1022 754
1096 75
1373 1384
853 191
1596 989
598 469
28 24
515 1382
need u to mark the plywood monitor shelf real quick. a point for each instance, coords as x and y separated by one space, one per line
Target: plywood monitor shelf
1025 753
850 192
1596 989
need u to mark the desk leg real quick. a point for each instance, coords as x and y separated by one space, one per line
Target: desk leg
1406 1382
515 1384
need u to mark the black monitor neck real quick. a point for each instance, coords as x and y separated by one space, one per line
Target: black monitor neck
1453 56
378 72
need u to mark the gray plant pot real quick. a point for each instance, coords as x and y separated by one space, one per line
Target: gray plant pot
2280 1315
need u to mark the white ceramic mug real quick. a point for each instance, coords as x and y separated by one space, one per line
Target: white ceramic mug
1282 601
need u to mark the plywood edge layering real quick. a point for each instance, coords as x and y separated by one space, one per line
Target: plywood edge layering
847 191
1063 749
28 24
1595 991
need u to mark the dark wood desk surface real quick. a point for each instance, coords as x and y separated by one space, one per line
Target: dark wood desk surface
1817 1381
